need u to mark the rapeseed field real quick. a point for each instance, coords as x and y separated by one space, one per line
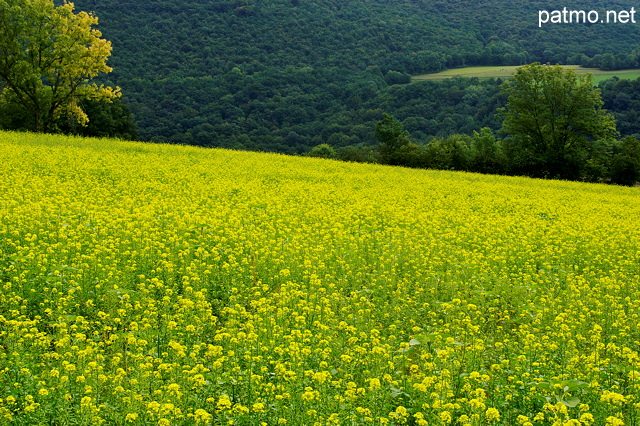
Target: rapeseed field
150 284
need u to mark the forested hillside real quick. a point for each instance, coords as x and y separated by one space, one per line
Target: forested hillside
286 75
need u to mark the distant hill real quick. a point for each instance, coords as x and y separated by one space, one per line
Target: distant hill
273 74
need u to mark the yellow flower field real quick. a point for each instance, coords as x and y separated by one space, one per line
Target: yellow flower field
151 284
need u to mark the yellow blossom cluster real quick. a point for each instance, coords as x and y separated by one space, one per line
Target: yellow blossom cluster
152 284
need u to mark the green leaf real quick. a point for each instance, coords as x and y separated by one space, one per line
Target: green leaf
571 402
544 386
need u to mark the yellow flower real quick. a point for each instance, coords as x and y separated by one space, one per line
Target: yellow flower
612 397
614 421
131 417
174 388
321 376
201 415
374 384
477 404
309 394
492 414
587 419
445 417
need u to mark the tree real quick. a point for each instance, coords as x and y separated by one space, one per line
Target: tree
106 120
324 150
625 163
551 117
485 152
393 138
47 56
451 153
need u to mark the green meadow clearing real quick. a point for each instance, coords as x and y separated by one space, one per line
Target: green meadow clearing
146 284
506 71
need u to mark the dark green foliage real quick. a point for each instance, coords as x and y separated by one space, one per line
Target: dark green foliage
15 117
106 119
323 150
622 98
551 119
601 160
394 141
451 153
597 162
458 105
609 61
625 164
456 152
395 77
283 75
486 154
358 154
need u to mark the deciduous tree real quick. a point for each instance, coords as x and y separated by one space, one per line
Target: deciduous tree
551 117
393 139
47 56
625 164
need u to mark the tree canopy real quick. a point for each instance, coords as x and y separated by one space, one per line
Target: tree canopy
395 146
249 74
47 56
551 117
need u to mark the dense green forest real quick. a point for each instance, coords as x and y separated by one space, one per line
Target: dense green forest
553 126
287 75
